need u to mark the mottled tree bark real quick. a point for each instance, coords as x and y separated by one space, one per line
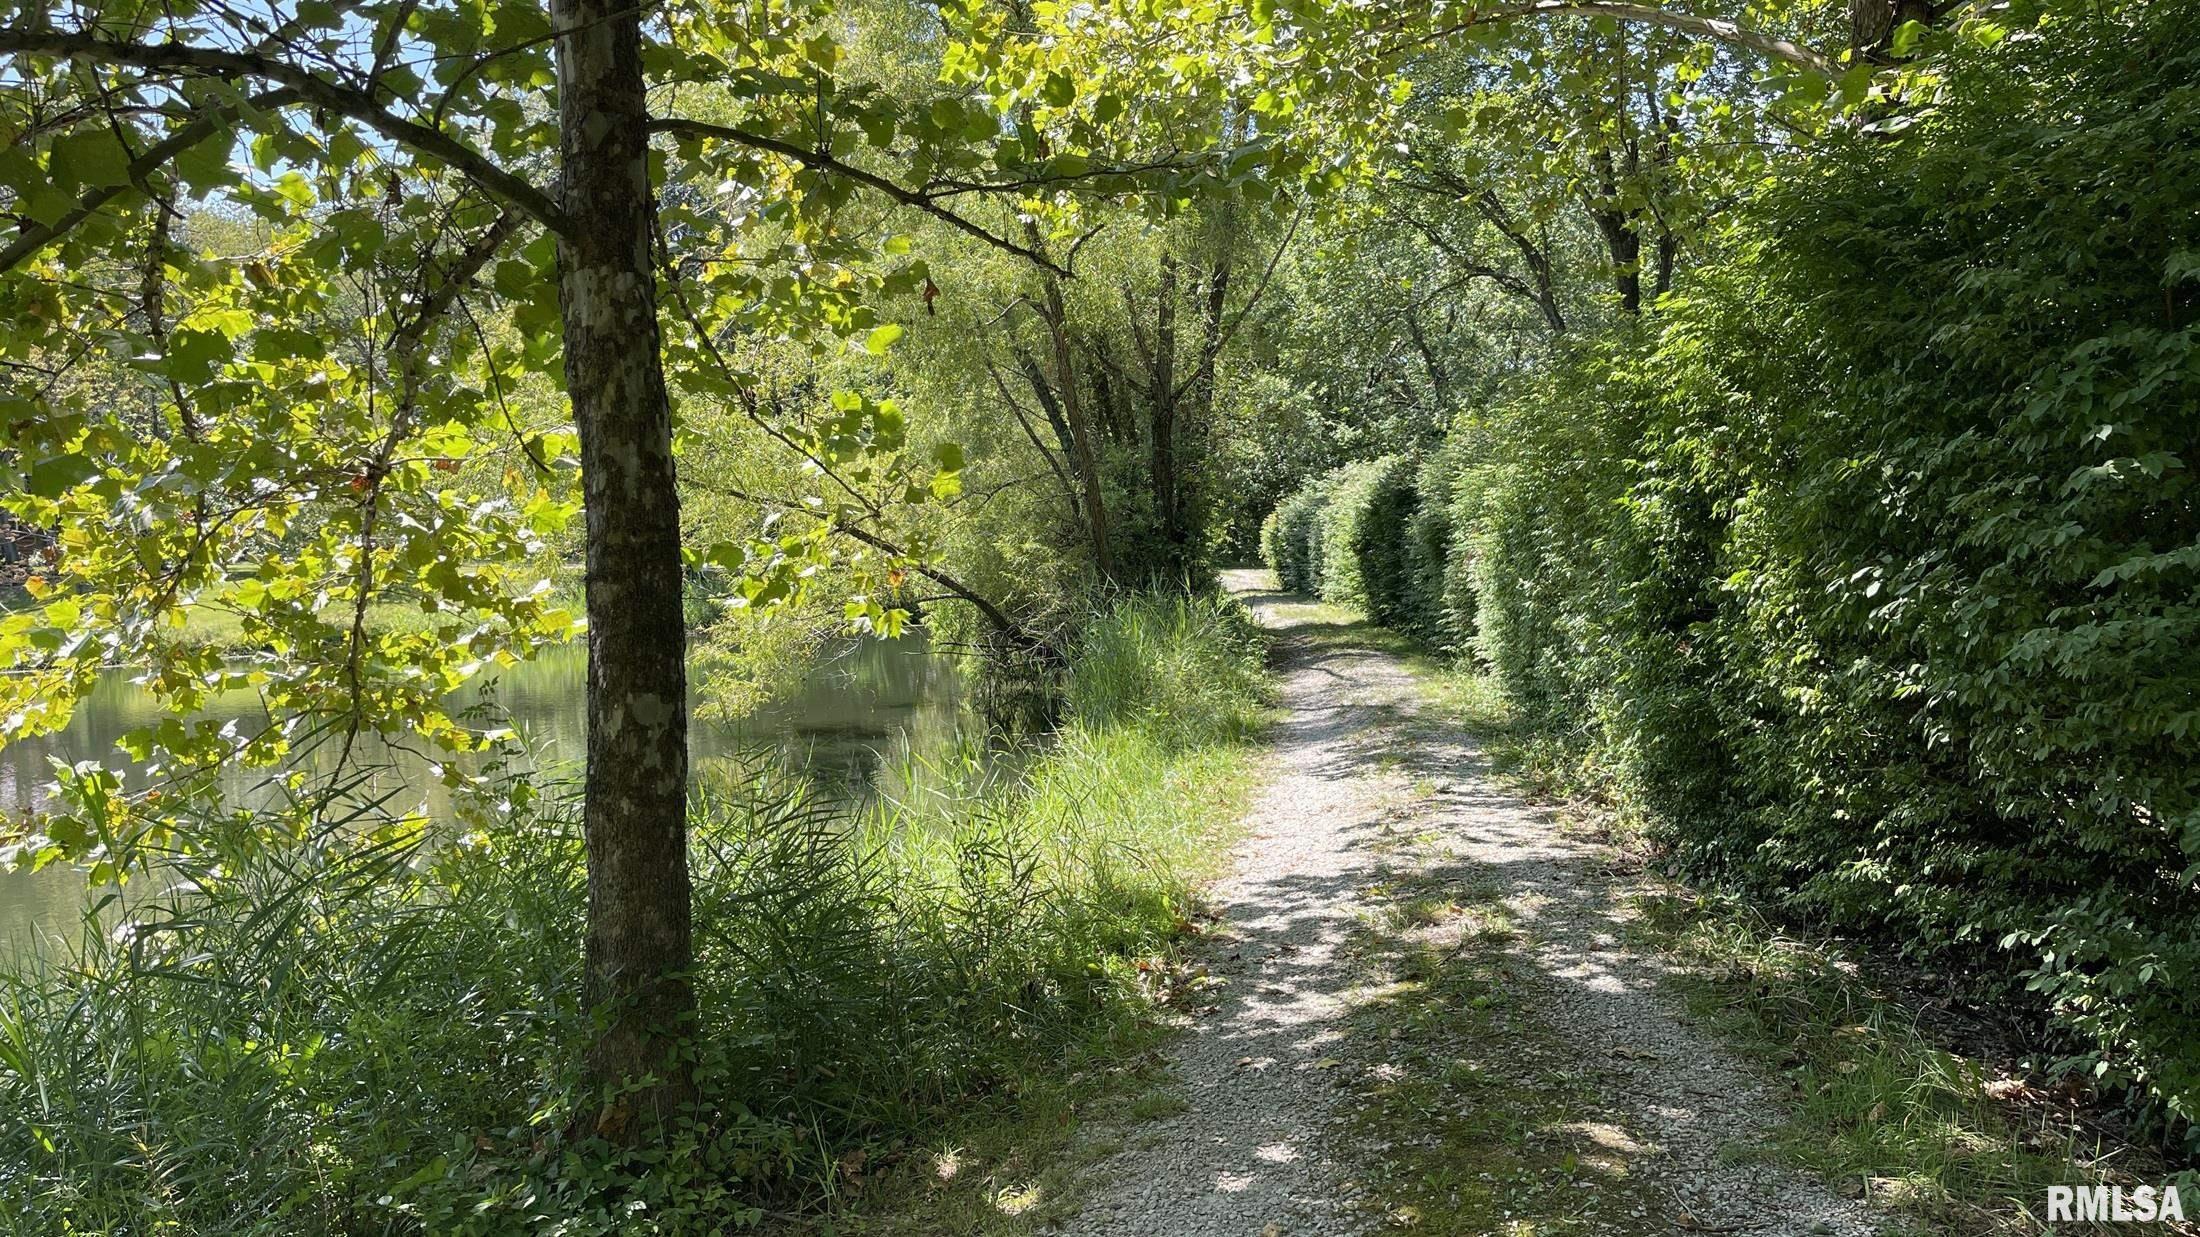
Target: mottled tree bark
640 940
1197 416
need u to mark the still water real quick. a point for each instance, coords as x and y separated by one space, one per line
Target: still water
867 712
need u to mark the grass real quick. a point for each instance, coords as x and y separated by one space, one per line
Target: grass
907 1015
1465 1111
1163 709
1877 1105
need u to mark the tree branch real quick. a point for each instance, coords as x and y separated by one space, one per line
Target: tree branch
825 162
1468 263
310 87
1217 342
1054 465
35 236
938 575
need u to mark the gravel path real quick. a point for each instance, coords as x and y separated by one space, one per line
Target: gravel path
1259 1070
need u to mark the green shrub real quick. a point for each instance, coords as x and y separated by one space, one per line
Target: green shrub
1433 609
1381 542
1367 534
1294 552
1316 538
1338 528
1294 546
1541 546
1871 580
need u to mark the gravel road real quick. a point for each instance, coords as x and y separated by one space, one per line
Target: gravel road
1250 1153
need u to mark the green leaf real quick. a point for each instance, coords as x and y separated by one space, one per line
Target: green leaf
193 355
295 189
205 167
54 476
882 338
91 157
514 279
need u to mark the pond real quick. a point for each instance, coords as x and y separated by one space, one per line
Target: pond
868 711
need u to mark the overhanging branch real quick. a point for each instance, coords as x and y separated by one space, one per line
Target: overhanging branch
825 162
310 87
992 613
35 236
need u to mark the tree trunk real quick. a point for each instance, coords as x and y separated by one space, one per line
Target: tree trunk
1872 25
1625 247
1669 249
1084 457
640 940
1196 428
1161 432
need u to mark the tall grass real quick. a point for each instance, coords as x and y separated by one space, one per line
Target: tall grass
1185 668
367 1039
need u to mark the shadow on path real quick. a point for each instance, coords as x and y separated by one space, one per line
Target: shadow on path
1344 943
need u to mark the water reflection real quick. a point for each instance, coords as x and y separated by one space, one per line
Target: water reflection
868 712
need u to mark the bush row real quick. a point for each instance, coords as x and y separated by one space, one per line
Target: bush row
1363 535
1322 540
1867 571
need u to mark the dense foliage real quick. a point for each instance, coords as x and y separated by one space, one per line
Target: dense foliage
1783 399
1866 571
338 1039
1290 542
1361 535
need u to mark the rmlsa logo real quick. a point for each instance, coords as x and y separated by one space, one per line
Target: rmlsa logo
2072 1204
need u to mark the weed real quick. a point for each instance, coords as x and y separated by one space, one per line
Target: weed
1878 1106
343 1038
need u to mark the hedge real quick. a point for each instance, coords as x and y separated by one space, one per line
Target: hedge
1339 529
1867 572
1288 540
1341 526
